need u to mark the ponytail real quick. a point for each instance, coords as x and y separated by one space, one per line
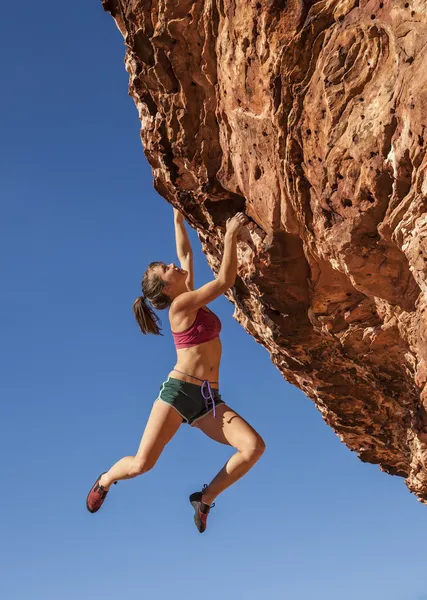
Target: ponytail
152 289
146 318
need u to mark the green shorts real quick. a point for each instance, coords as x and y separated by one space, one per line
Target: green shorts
186 398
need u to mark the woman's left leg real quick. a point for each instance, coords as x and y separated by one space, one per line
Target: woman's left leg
230 428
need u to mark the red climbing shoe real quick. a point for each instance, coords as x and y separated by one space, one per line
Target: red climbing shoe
96 496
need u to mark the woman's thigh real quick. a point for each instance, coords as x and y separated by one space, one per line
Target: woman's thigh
228 427
162 425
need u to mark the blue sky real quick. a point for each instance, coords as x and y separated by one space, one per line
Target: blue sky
79 222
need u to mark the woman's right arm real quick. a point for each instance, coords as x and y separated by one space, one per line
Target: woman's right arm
227 273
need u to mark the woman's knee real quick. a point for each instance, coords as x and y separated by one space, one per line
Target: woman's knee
253 446
141 464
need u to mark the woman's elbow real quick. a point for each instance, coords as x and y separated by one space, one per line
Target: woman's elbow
226 283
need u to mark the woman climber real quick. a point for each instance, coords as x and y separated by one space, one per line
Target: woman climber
190 394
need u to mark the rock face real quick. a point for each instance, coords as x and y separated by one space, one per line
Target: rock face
311 117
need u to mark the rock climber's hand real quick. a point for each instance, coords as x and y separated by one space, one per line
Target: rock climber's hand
235 223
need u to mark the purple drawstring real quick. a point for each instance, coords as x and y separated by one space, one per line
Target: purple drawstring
209 395
206 397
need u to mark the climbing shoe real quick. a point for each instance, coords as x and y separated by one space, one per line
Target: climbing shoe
96 496
201 510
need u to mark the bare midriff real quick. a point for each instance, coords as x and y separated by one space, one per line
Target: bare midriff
201 361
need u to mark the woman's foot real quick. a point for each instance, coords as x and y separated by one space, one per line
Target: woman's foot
201 510
96 496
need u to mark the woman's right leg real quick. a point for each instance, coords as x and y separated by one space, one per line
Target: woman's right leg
162 424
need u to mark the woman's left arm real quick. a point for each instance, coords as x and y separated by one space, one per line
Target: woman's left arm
183 248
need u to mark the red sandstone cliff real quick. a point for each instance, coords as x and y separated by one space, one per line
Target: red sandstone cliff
311 117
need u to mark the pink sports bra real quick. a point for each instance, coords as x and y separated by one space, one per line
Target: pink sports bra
205 328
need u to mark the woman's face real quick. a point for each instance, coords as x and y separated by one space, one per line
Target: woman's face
171 274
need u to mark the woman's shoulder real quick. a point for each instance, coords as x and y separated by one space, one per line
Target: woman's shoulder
176 309
179 319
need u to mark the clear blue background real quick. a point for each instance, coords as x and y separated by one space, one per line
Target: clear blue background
79 223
